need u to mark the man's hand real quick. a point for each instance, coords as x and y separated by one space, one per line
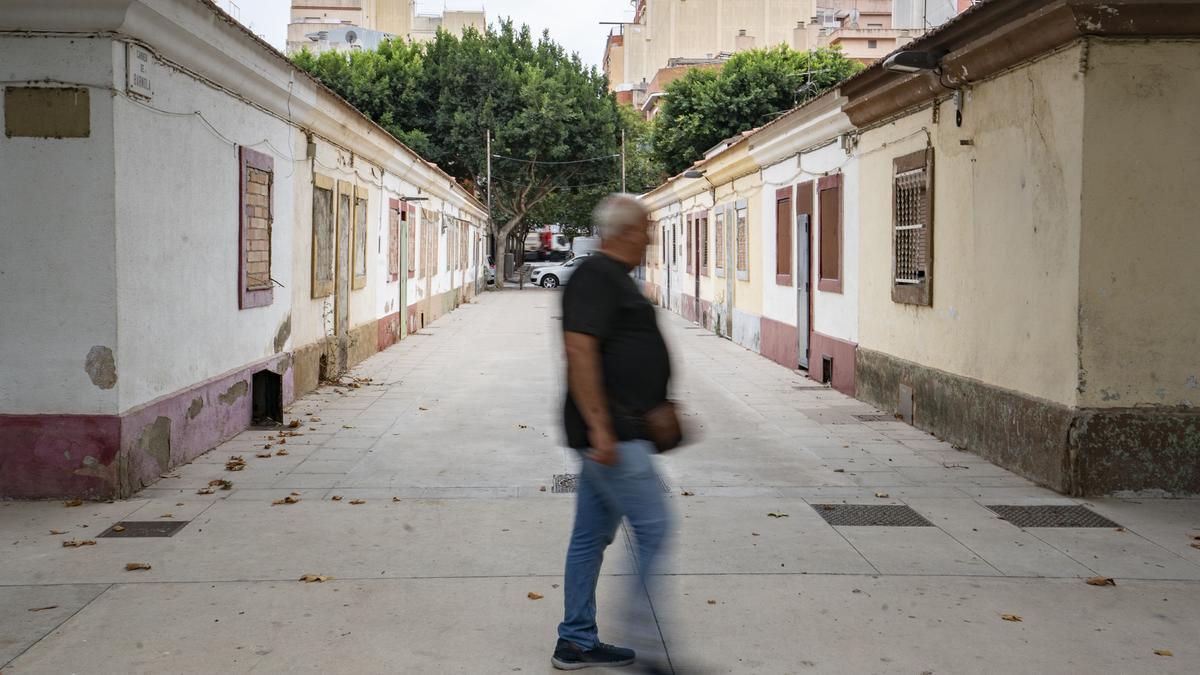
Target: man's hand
603 446
586 381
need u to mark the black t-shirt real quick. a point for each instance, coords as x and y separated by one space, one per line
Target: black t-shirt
601 300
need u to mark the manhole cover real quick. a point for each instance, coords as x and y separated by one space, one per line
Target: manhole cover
569 482
875 418
146 528
1051 516
871 515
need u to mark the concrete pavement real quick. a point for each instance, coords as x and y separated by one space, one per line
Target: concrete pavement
453 448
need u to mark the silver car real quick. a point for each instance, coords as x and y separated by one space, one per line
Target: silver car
553 276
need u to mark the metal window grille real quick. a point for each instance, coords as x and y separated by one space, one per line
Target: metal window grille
704 244
911 226
743 243
393 243
720 238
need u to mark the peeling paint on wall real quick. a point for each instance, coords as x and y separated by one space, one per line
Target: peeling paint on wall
156 441
101 366
195 408
234 392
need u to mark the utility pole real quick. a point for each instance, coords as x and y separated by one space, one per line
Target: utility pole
622 160
491 230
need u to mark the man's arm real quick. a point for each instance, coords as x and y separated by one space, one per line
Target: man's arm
586 382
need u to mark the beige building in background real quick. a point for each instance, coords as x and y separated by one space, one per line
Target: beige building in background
321 25
663 30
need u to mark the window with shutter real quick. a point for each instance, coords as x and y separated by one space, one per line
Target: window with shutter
783 236
912 228
323 219
410 217
394 240
829 201
256 192
687 243
359 250
703 229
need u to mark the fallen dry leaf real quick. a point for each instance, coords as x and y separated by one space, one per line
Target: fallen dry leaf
1011 617
688 493
534 596
356 502
395 499
336 498
315 419
1164 652
58 531
295 494
281 452
286 500
264 455
882 495
283 441
294 424
118 528
954 466
755 534
42 609
522 426
1101 581
777 515
839 471
130 567
235 463
73 502
76 543
1119 529
541 488
1196 545
267 446
167 515
347 426
221 483
315 578
712 602
422 408
204 491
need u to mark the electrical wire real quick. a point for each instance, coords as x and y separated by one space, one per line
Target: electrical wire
549 163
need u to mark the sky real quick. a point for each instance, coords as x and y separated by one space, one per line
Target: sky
573 23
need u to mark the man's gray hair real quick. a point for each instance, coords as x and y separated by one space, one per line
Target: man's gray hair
616 212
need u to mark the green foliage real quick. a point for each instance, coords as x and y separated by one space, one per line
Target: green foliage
540 103
706 106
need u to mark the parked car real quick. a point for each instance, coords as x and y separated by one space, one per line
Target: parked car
489 271
553 276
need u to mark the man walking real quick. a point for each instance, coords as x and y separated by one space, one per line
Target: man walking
617 371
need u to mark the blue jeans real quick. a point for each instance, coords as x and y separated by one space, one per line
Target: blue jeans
605 495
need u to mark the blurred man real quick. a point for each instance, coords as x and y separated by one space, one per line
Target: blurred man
617 371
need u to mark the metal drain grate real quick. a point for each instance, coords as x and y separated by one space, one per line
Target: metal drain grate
875 418
1050 516
146 528
568 483
871 515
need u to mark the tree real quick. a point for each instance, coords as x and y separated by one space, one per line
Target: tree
705 107
555 127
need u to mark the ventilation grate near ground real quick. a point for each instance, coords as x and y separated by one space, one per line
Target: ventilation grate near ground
145 528
1051 516
568 483
875 418
870 515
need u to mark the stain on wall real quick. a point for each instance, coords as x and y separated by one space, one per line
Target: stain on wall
195 408
101 367
282 335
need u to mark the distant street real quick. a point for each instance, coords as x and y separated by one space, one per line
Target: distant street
426 493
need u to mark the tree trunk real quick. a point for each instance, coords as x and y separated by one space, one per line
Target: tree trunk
501 235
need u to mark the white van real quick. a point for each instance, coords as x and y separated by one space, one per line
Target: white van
582 245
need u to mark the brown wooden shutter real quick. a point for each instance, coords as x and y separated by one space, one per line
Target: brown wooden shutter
783 236
829 199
